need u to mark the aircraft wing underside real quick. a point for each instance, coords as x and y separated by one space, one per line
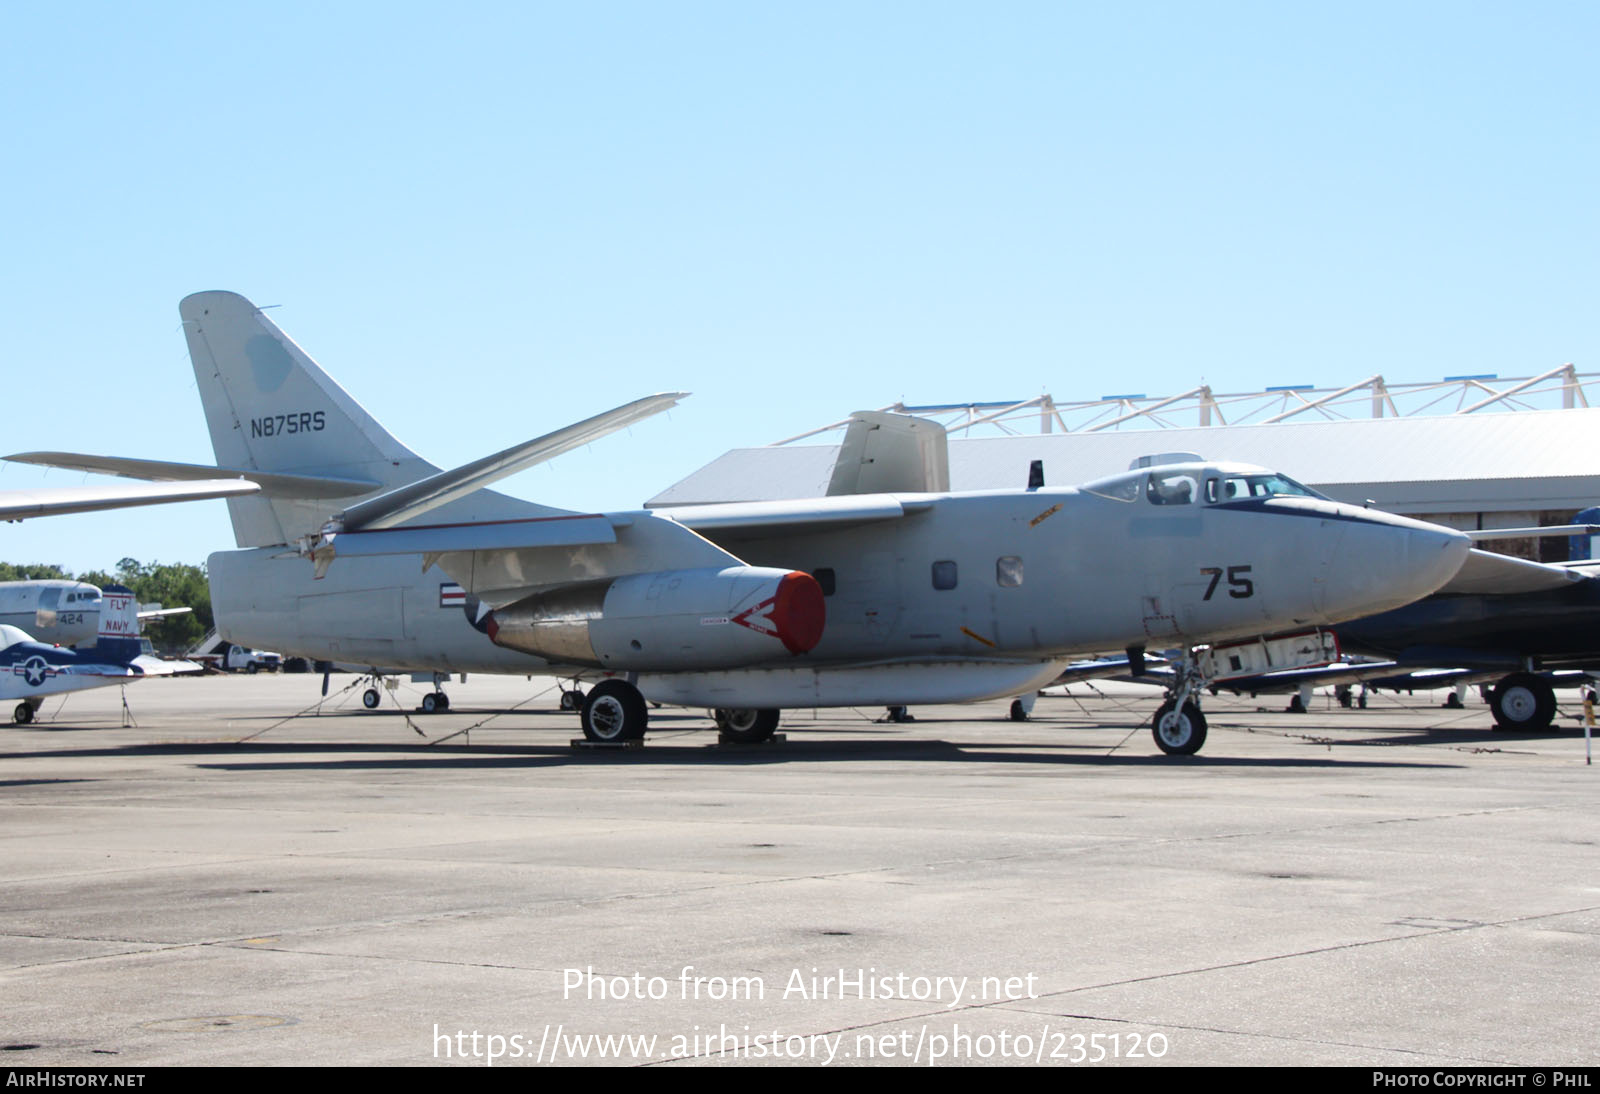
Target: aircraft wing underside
56 501
503 561
272 483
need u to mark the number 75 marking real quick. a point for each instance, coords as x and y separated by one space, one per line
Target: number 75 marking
1239 586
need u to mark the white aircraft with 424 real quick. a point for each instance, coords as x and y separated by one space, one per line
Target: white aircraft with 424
60 610
904 594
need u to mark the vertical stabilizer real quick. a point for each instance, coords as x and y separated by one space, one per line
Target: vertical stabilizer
887 453
270 407
118 637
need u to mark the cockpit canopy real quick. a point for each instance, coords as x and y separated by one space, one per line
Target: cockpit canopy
1189 484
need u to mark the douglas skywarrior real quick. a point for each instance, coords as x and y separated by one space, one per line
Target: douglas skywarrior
893 590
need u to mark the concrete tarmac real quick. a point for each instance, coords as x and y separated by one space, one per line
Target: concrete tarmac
225 884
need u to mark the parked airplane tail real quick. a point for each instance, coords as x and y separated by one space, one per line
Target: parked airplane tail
314 462
118 637
1581 548
271 408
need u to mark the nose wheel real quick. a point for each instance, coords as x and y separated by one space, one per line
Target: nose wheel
1178 727
1179 731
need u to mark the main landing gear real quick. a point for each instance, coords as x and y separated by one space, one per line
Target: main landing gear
613 712
1523 701
745 726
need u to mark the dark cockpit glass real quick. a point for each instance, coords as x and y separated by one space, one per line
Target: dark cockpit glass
1264 484
1181 486
1123 487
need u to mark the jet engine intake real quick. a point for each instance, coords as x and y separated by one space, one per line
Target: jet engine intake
670 620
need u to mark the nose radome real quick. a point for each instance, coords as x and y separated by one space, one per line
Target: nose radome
1388 563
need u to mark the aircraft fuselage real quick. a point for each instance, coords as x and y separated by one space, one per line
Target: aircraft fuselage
1014 580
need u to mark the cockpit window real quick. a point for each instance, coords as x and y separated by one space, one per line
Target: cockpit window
1167 488
1123 487
1224 488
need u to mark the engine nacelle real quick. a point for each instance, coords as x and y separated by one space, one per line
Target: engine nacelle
668 621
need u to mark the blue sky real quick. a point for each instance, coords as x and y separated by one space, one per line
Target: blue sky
491 221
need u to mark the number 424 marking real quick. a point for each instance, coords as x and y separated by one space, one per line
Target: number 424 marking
1239 586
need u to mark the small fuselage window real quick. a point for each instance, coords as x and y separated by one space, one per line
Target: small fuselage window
944 574
1008 571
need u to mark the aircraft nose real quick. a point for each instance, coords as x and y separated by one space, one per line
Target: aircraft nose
1384 561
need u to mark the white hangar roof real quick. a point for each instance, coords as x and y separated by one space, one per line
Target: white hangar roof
1488 461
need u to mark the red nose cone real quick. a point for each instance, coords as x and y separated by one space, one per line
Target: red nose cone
798 613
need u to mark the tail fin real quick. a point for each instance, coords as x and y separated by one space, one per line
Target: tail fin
891 453
118 637
1581 548
271 408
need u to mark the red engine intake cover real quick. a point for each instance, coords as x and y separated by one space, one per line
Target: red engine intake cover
798 613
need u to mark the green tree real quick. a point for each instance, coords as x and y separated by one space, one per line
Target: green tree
172 585
35 571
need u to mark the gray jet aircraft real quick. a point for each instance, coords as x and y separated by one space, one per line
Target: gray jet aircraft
874 598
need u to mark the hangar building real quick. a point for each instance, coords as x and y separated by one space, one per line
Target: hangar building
1468 451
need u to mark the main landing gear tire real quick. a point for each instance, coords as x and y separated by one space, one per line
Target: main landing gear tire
435 702
369 698
1019 713
1523 701
23 714
746 726
1179 733
614 711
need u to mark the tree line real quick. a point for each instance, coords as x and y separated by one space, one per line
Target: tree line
170 584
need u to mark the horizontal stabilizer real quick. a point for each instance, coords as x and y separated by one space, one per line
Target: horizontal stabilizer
414 499
155 666
162 613
273 483
54 501
1485 572
574 531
